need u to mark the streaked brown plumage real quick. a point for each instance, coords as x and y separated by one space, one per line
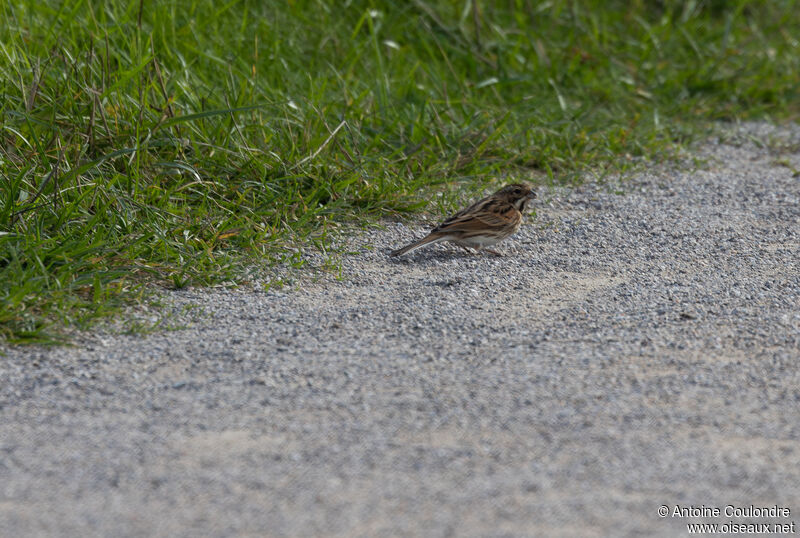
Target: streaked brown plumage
482 224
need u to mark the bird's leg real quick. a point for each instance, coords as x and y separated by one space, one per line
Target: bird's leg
494 252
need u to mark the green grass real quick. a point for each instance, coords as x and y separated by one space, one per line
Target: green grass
178 143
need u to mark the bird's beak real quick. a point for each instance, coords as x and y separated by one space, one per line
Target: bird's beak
531 195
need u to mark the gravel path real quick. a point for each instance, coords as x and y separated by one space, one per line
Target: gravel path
638 346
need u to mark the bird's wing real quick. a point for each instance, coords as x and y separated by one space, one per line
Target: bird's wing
487 214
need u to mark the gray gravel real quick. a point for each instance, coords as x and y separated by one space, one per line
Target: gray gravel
637 346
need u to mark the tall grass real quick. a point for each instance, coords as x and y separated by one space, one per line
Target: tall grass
178 142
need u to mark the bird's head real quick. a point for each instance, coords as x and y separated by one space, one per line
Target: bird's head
516 194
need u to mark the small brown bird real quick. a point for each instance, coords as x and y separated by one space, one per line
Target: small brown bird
482 224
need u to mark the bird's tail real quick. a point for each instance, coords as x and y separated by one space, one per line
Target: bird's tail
427 240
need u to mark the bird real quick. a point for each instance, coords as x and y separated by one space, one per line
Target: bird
481 225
